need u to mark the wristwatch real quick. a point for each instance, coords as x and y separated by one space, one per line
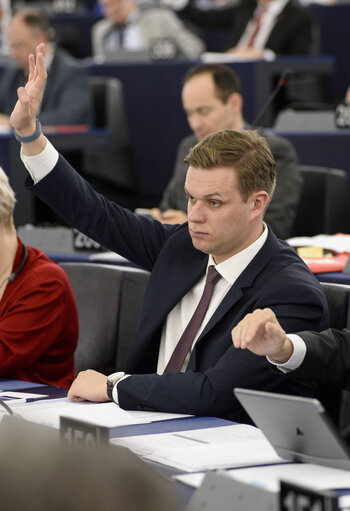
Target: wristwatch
112 379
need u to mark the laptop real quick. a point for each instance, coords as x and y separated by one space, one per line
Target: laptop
298 428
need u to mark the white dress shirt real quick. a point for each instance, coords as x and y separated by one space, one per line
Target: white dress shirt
272 11
298 355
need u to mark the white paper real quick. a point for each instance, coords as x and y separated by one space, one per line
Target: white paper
316 477
102 414
109 414
157 416
156 444
215 456
212 56
344 502
193 480
338 243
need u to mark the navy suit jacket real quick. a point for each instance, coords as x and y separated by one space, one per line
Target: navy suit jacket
275 278
327 358
67 98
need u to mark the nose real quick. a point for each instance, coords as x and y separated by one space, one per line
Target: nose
195 121
195 212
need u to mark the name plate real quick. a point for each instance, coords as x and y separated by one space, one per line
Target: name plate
83 242
163 48
82 434
297 498
342 116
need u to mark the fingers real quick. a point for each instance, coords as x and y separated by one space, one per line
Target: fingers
251 327
31 64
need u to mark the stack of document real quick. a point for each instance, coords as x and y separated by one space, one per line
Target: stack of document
198 450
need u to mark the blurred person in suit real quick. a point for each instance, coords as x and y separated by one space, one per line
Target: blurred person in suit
38 314
212 100
136 27
67 96
262 28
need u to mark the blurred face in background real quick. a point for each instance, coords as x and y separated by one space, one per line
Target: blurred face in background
205 110
23 40
118 10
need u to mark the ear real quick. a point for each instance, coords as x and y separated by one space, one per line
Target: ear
236 102
260 201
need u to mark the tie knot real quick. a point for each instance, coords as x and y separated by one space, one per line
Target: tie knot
213 275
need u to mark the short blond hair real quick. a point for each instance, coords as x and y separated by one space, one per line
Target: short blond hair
7 202
245 151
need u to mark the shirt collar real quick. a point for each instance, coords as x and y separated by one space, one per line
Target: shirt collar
231 268
274 8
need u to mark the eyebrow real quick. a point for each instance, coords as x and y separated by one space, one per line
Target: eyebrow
209 195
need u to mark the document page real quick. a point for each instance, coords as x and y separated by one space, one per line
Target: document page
205 449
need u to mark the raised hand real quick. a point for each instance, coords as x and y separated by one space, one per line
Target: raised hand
23 117
262 334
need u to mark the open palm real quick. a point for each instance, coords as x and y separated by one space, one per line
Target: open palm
30 96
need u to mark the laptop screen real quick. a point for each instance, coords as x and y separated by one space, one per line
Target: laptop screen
298 428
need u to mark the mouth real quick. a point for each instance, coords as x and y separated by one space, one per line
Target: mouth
198 234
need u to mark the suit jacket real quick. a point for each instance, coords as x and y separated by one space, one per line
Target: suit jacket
275 278
327 358
281 211
66 97
153 23
295 31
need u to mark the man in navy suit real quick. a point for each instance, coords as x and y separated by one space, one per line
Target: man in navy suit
229 183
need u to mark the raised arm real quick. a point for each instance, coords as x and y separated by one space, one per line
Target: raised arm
23 117
262 334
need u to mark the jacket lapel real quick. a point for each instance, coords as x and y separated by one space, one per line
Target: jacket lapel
244 281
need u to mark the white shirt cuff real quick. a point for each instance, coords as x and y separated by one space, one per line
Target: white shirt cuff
115 389
298 355
41 164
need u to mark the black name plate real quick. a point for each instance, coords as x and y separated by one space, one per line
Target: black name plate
297 498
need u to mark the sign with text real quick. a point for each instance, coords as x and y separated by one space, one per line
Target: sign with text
82 434
297 498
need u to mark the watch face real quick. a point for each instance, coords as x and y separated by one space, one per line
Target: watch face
112 379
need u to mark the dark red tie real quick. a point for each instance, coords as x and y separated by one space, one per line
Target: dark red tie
186 340
257 21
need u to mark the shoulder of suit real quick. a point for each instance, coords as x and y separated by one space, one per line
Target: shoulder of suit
188 142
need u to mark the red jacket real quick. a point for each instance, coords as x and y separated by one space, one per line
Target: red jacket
38 322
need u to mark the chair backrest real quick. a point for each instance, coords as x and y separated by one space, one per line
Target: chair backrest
338 300
109 302
113 165
109 107
324 206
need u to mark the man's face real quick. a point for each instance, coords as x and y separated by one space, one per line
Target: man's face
118 11
206 113
219 222
23 40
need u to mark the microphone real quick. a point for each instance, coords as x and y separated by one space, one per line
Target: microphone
282 82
